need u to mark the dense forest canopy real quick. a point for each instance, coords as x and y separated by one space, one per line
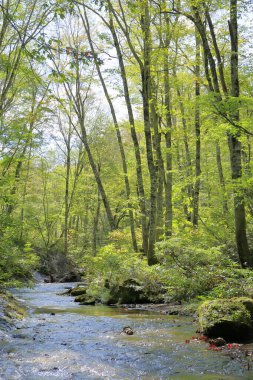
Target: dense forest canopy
125 142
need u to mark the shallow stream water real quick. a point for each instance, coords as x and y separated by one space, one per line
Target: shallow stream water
63 340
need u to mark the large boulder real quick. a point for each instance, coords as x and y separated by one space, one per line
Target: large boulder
231 319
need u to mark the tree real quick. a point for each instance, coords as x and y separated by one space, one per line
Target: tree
217 85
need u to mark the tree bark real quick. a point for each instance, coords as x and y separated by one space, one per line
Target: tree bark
235 148
66 211
195 205
146 98
221 177
95 225
139 175
168 132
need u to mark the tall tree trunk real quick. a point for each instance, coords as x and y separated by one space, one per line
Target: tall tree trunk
235 148
66 211
118 134
159 164
95 225
188 190
195 205
168 183
22 212
139 175
146 98
245 256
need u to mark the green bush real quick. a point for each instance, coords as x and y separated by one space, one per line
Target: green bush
194 270
187 269
114 265
17 261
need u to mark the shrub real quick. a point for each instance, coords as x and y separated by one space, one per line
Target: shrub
17 262
197 271
113 266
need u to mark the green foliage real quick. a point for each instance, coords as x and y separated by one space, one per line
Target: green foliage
17 260
33 169
195 270
115 265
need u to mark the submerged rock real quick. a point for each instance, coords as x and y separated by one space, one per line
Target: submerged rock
231 319
128 330
217 342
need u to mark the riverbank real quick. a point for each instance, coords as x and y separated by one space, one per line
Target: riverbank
181 309
81 296
11 311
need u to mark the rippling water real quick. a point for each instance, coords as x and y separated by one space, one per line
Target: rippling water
63 340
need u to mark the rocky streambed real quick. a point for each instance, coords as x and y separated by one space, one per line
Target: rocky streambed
63 340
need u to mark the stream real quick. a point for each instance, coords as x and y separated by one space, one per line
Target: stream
63 340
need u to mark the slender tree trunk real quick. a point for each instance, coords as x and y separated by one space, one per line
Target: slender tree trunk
22 213
160 172
235 148
195 203
146 98
97 177
144 65
189 188
221 177
118 134
139 175
66 211
217 53
168 183
95 225
78 103
10 206
245 256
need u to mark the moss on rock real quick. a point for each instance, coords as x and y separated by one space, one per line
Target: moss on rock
88 301
78 290
81 298
231 319
11 309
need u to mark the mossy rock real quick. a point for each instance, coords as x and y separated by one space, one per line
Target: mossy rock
88 301
77 291
81 298
231 319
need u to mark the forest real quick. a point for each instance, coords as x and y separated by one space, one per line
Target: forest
126 145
